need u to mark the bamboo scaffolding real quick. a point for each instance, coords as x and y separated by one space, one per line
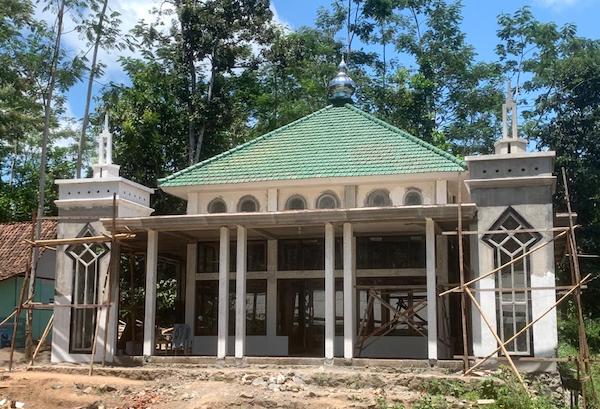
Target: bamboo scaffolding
583 359
584 352
41 341
472 232
19 308
463 301
105 238
460 287
30 305
111 267
498 340
529 325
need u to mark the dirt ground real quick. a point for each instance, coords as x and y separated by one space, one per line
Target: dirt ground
208 386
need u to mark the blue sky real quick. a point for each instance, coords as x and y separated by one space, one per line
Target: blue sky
479 24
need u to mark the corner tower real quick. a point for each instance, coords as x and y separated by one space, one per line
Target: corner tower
513 191
82 269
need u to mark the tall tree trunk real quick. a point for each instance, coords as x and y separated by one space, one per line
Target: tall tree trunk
86 114
209 94
188 58
43 161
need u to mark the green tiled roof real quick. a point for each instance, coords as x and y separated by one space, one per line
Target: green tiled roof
336 141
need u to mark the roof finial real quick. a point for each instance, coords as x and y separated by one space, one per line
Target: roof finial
105 144
341 87
510 143
509 108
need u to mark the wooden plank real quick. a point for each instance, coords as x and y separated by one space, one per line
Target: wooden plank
471 232
84 240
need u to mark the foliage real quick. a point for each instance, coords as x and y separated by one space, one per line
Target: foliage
383 404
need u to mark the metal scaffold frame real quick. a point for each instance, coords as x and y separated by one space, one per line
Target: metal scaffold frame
105 303
573 290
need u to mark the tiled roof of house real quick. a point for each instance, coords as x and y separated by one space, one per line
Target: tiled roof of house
15 255
336 141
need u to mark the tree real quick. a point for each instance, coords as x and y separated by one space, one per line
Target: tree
212 39
101 30
558 76
447 94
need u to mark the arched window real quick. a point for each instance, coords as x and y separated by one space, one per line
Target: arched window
86 274
328 200
413 197
217 206
248 204
379 198
513 307
295 202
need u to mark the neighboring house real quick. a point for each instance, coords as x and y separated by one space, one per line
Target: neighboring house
286 235
15 259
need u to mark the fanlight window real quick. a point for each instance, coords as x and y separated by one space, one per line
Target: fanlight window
328 201
413 198
248 204
217 206
513 300
296 202
379 198
86 267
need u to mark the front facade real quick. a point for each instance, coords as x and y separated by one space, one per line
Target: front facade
332 237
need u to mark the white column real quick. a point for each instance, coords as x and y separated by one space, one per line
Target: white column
190 284
441 252
441 191
271 288
223 327
240 293
150 311
432 341
349 292
272 199
329 291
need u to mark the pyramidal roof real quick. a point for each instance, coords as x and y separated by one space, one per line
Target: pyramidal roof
336 141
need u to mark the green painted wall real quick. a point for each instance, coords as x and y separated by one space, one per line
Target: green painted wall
9 295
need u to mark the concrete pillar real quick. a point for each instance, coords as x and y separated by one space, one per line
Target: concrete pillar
150 311
240 293
349 291
329 290
271 288
441 191
432 341
272 199
190 284
223 327
441 252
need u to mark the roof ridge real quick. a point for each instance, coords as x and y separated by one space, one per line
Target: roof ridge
243 145
413 138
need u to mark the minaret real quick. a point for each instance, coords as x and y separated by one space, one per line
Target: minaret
510 143
341 87
81 203
104 167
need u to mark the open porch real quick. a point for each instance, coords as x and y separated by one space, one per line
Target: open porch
313 283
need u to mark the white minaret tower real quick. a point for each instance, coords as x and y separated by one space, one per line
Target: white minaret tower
83 202
104 167
510 143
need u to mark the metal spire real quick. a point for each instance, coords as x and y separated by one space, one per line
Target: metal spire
341 87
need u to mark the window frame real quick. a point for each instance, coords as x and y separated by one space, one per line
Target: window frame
79 315
371 197
248 198
517 299
412 191
216 200
296 197
325 195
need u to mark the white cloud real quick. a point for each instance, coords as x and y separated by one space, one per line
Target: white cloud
278 20
557 4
